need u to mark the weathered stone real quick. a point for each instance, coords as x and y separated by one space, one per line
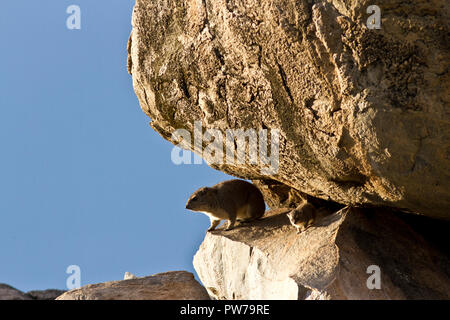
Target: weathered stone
174 285
49 294
267 259
363 114
9 293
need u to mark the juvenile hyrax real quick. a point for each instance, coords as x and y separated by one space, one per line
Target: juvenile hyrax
229 200
303 216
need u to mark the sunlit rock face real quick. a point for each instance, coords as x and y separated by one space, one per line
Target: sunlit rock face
172 285
363 114
362 254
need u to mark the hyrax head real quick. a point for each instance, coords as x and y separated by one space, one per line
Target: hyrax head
294 215
204 199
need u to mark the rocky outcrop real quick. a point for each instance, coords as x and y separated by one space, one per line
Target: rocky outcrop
9 293
49 294
363 114
334 259
363 120
174 285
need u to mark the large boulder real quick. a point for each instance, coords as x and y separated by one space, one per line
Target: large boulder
363 114
340 257
174 285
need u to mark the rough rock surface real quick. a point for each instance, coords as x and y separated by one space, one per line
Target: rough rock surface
269 260
363 114
49 294
128 276
9 293
174 285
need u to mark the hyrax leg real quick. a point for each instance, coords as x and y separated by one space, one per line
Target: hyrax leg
214 224
232 216
301 227
231 223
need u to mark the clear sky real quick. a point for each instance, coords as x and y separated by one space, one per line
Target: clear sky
84 180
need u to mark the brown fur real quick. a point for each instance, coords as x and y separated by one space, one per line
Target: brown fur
229 200
303 216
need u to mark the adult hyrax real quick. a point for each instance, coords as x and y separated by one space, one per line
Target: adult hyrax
303 216
229 200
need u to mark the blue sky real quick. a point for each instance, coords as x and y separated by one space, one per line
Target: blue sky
84 180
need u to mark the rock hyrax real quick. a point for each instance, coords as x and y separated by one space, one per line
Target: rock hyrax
229 200
303 216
